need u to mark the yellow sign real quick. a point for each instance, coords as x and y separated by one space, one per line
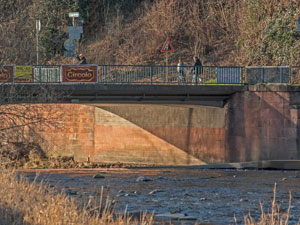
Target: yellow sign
23 72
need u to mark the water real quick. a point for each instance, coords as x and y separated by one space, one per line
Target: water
185 195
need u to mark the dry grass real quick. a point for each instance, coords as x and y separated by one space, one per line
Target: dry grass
31 203
205 28
275 216
24 203
231 32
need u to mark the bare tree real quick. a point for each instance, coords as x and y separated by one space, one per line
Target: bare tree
23 118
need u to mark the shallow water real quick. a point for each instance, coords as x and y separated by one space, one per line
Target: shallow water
186 194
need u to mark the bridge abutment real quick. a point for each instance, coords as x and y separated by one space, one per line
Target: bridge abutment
260 124
263 125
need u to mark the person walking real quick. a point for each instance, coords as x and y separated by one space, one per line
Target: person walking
180 71
197 69
81 59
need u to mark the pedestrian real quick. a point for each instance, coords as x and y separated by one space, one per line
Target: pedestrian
180 70
81 59
197 69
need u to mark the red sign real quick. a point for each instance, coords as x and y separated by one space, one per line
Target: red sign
6 73
80 73
167 47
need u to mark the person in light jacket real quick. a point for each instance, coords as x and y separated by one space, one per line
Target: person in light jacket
180 71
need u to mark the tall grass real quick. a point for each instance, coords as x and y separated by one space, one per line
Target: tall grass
274 216
27 203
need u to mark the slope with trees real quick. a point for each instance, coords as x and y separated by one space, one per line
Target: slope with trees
232 32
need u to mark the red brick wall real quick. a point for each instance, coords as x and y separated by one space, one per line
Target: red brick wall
199 131
75 134
262 126
90 132
253 126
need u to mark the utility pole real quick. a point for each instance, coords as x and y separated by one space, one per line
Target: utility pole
38 28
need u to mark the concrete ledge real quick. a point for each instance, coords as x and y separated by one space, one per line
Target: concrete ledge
273 88
280 164
264 164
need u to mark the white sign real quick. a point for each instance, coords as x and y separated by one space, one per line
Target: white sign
167 47
38 25
74 14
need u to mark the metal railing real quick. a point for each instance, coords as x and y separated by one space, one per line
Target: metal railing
269 74
151 74
126 74
47 74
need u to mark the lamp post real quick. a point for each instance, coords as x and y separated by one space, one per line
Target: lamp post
38 28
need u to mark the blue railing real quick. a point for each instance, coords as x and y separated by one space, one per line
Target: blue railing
150 74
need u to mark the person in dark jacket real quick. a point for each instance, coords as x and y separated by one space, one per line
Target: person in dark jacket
81 59
197 69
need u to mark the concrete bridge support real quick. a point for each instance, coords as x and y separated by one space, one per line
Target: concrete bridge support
259 124
263 124
95 134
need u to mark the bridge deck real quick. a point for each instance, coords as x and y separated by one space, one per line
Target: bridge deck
213 95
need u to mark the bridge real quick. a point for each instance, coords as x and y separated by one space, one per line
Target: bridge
135 84
243 114
121 94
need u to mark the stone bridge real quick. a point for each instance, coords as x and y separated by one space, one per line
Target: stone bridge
188 125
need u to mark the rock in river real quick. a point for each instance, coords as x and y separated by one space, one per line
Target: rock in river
98 176
143 179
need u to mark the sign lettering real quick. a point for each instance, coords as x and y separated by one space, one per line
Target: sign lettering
73 73
6 73
24 74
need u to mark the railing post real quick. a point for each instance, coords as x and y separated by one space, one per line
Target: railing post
262 75
280 74
242 81
105 74
150 74
40 74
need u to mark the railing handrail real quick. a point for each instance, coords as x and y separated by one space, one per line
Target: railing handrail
165 74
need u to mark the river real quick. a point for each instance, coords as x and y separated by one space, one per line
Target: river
185 195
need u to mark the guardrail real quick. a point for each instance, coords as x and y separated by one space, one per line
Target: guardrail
169 75
150 74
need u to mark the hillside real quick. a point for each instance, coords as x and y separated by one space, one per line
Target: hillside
231 32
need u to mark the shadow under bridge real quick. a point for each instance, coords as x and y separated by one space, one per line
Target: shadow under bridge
149 94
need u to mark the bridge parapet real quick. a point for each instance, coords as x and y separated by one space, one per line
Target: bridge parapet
149 74
257 123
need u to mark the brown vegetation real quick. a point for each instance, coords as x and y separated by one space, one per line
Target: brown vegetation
205 28
22 124
24 203
34 203
274 217
233 32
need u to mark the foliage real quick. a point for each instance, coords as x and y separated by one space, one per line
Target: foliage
268 33
53 15
193 27
239 32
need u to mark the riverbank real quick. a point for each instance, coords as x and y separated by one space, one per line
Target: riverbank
24 203
184 195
